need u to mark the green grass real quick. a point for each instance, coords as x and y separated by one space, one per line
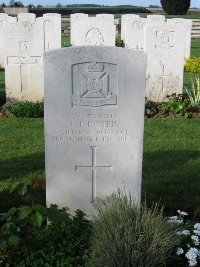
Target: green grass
65 41
195 48
21 155
171 169
2 88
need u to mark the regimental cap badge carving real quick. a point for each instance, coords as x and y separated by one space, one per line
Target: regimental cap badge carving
95 67
95 86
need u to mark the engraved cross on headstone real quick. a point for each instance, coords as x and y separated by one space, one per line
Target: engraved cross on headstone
93 167
162 78
24 60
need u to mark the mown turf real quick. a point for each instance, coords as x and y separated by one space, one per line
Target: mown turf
195 48
171 170
21 155
2 88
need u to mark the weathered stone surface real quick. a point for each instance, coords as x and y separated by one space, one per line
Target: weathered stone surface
52 31
123 23
94 116
25 42
134 33
157 19
187 24
99 30
23 65
4 21
75 19
165 54
24 17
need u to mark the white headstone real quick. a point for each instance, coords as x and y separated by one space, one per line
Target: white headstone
4 21
105 17
94 125
134 33
156 19
164 46
25 42
98 30
123 23
52 31
23 64
187 23
75 19
26 17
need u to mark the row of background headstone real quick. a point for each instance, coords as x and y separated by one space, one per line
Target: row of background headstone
23 41
26 38
166 42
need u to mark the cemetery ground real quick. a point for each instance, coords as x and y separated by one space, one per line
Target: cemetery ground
171 172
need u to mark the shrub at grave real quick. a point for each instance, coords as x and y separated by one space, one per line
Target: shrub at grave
26 109
151 108
27 241
124 236
192 64
175 7
194 92
176 105
119 42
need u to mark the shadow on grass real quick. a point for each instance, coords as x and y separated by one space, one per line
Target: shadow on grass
16 170
173 178
2 88
22 166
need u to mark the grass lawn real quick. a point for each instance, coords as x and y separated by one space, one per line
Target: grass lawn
195 48
2 88
171 169
21 155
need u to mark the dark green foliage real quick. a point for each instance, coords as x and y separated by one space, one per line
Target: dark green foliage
119 42
25 109
26 240
175 7
176 105
124 236
89 10
151 108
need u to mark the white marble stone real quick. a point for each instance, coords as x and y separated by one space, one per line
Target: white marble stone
105 17
24 17
99 30
134 33
25 42
74 19
24 48
165 48
123 22
94 125
52 31
156 19
4 21
187 23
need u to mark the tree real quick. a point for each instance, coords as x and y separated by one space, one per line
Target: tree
18 4
59 5
175 7
12 2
